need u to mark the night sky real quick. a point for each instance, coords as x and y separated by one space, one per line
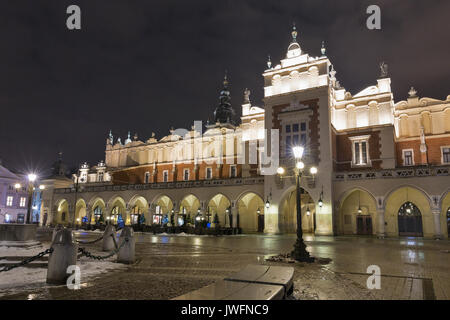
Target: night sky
145 66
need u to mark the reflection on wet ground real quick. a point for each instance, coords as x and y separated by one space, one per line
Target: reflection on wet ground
168 266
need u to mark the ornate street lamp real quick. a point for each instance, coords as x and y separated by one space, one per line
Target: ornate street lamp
32 177
299 253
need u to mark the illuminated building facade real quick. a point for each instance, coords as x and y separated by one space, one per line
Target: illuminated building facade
383 166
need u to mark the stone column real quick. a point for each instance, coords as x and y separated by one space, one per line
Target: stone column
437 224
381 232
234 212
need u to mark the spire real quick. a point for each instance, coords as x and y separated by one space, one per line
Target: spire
110 139
128 140
323 50
294 49
269 62
294 33
224 111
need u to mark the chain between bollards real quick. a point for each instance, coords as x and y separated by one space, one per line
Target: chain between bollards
28 260
90 242
86 253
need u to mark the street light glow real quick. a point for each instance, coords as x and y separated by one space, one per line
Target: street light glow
42 187
313 170
298 152
17 186
280 170
32 177
300 165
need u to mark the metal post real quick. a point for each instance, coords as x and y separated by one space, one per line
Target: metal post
299 253
30 200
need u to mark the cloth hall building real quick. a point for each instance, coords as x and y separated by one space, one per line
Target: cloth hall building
383 166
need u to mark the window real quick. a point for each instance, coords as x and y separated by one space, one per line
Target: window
360 149
9 201
10 187
233 172
100 176
165 176
186 174
147 177
294 134
21 218
408 159
97 213
208 173
22 201
445 154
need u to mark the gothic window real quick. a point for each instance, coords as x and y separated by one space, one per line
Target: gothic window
360 150
445 154
408 159
165 176
147 177
186 174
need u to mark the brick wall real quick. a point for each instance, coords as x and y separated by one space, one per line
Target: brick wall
433 150
344 153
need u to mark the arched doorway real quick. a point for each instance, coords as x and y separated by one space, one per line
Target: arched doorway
80 212
218 211
62 214
118 213
251 213
410 220
98 214
416 220
189 209
163 207
357 213
288 217
139 209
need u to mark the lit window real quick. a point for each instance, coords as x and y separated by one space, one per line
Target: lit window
22 201
165 176
186 174
232 171
147 177
208 173
445 154
408 159
360 149
295 134
9 201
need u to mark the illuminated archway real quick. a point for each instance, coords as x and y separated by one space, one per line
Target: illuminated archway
219 205
139 210
189 208
394 202
410 220
98 214
358 213
80 212
118 213
62 216
251 213
445 215
163 209
288 209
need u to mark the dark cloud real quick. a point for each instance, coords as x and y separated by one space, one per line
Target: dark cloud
145 66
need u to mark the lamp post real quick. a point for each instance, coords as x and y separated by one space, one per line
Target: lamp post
299 253
31 187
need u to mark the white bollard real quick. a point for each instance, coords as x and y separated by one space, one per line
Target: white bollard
126 252
108 240
64 254
58 227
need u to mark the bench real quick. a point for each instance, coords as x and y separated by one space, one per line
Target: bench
254 282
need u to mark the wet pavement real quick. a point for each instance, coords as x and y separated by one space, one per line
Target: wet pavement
169 266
